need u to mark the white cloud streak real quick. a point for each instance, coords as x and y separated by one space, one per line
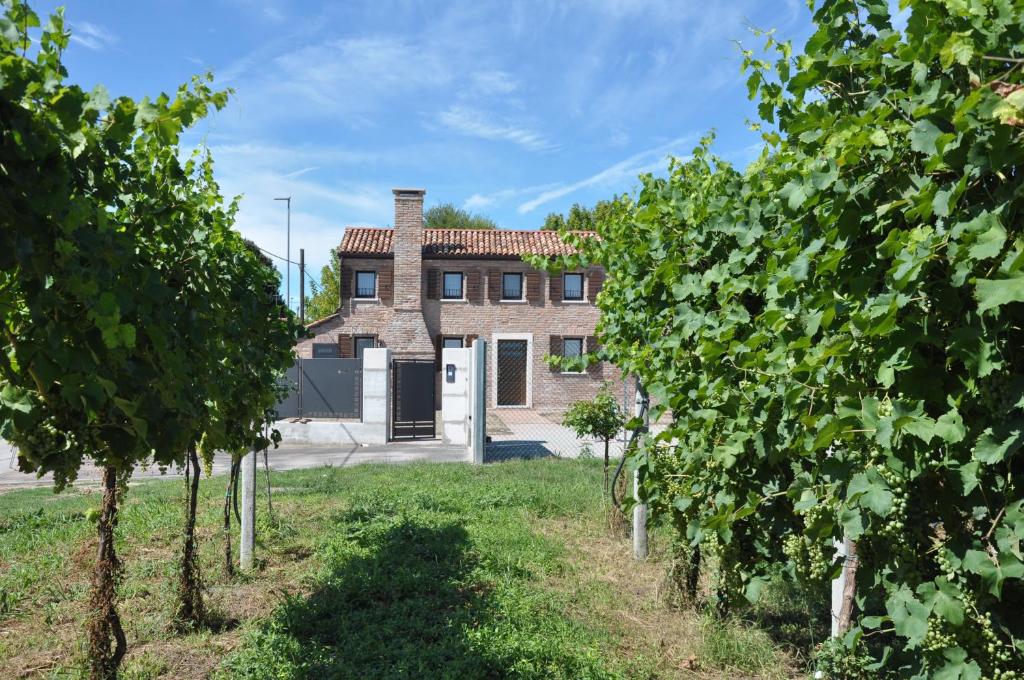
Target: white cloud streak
91 36
475 123
637 164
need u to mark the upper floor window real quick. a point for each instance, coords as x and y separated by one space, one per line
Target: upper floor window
512 286
452 286
366 284
572 286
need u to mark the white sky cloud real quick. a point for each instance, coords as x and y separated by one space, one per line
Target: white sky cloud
92 36
624 170
475 123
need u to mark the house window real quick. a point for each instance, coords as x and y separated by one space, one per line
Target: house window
572 347
572 286
364 342
512 286
452 286
452 343
366 284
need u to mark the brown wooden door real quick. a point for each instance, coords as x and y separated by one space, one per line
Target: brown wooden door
512 366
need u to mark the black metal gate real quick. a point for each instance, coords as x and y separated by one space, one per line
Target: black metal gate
413 399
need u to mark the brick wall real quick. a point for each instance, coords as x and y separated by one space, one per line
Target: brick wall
408 315
482 314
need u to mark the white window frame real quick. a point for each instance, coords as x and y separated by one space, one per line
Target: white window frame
583 350
529 368
446 338
462 286
583 288
355 285
522 287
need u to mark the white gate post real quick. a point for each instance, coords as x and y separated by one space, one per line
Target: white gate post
377 394
478 401
640 509
248 509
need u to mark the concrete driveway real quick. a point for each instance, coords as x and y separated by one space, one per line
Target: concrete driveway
287 457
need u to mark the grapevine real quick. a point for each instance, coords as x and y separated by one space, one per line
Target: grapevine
834 332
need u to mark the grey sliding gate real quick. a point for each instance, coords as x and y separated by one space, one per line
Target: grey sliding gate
323 388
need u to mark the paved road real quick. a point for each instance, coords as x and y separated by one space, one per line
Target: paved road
287 457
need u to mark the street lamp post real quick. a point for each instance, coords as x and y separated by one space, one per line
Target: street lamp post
288 253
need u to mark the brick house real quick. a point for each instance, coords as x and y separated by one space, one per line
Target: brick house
419 290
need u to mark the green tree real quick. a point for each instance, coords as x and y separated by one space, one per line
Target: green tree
448 216
326 295
553 222
581 218
835 332
112 274
600 417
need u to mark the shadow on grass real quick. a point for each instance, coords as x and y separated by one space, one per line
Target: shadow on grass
795 618
401 611
506 450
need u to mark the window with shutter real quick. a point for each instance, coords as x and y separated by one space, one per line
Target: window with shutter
347 279
556 350
555 288
433 284
345 348
494 285
533 293
596 367
594 282
474 287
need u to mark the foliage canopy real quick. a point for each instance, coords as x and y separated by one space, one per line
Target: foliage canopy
835 331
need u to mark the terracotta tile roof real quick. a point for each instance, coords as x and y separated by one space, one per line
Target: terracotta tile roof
376 241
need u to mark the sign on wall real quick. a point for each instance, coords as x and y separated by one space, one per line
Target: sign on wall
326 350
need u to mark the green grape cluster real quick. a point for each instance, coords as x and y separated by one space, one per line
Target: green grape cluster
885 408
997 395
45 439
937 638
812 560
976 635
895 524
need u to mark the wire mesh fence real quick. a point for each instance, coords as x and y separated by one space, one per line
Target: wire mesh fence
516 429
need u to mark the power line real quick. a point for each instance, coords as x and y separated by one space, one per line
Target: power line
304 270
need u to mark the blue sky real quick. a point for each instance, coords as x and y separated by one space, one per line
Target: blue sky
511 109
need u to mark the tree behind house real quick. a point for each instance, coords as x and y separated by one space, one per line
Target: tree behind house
324 296
448 216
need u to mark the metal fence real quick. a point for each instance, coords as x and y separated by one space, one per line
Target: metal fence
515 430
323 388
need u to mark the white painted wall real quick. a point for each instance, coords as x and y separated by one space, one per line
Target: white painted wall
377 395
455 405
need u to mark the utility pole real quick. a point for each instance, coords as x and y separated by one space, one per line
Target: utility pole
302 285
288 253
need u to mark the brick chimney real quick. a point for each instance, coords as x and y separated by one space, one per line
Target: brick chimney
406 333
408 245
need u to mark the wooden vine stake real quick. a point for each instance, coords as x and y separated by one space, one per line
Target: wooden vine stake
844 588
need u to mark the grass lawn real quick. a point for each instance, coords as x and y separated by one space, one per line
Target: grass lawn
415 571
